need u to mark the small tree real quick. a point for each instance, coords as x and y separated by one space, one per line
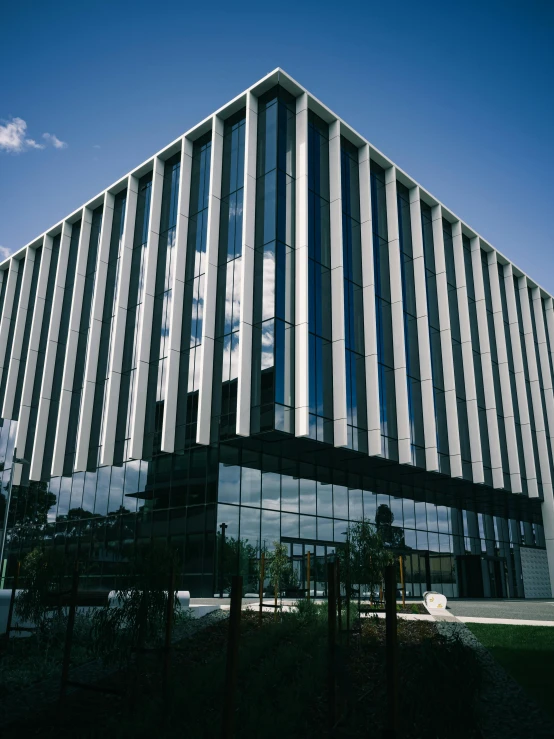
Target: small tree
279 569
138 617
364 557
43 573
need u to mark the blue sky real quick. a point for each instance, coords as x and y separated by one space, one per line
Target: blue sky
460 95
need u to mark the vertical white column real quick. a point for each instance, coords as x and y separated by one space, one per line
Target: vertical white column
118 331
540 428
485 350
302 365
177 298
549 324
7 312
370 318
467 356
206 371
337 289
397 313
50 358
425 368
72 340
544 362
146 314
17 342
450 399
94 333
504 373
34 340
521 389
244 386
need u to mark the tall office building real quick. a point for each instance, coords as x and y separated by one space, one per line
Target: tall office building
269 325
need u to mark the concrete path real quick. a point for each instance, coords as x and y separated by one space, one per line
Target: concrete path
510 610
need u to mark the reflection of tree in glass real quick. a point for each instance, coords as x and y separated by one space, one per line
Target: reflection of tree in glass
365 555
392 536
239 557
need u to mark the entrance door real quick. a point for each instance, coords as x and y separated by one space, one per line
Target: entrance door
471 576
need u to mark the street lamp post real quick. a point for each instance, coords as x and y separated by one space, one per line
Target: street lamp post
15 460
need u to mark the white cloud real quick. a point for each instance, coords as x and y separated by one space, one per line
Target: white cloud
13 137
4 253
96 146
54 140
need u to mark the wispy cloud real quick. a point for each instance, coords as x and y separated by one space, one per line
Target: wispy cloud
4 253
13 136
14 139
54 140
96 146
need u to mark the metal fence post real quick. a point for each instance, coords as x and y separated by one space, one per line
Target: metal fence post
392 653
262 578
12 601
69 633
231 671
308 574
168 629
332 626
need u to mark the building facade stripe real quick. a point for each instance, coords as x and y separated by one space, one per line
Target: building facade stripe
370 319
467 355
50 355
425 366
302 363
118 331
337 289
485 351
446 345
210 294
71 344
521 390
397 314
177 302
504 372
244 385
13 361
536 399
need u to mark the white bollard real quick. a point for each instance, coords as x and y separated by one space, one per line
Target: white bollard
435 600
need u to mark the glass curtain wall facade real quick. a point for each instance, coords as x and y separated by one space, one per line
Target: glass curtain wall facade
319 281
273 328
220 505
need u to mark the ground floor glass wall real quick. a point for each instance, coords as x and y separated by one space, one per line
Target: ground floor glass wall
183 500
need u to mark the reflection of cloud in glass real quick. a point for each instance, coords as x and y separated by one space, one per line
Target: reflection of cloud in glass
267 344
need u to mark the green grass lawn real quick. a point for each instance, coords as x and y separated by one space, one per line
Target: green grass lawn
527 653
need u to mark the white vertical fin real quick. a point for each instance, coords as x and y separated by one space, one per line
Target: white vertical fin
177 297
71 341
244 389
146 314
424 344
50 358
95 330
118 326
467 355
450 399
370 318
397 316
337 289
504 374
210 286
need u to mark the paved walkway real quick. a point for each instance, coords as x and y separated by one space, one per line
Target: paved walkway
503 610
